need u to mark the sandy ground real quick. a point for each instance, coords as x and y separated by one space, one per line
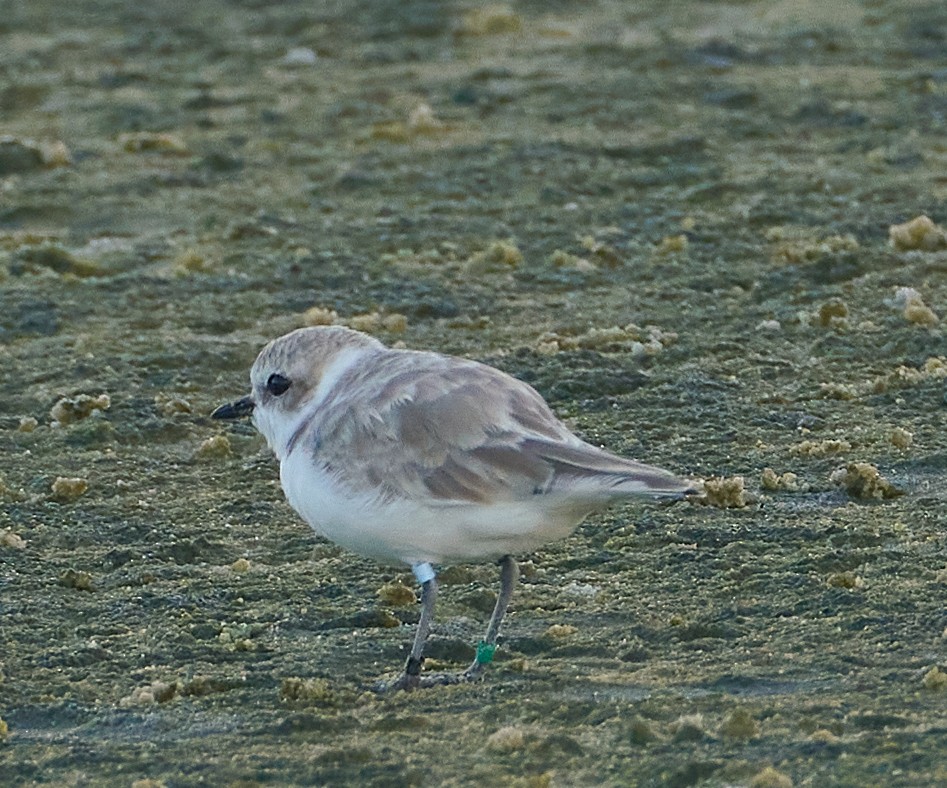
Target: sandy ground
672 219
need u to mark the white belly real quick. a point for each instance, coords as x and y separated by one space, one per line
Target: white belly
404 531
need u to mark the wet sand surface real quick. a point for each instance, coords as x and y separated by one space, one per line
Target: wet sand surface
671 219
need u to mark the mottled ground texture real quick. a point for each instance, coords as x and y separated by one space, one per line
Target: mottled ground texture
671 218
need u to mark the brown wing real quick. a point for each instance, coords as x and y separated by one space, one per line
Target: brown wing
452 431
583 469
430 427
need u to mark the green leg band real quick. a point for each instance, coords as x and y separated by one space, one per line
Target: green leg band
485 652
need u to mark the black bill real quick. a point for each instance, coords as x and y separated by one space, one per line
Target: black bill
234 410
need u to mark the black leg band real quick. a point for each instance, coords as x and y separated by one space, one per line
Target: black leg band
413 666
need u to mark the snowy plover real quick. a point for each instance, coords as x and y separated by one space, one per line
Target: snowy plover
423 459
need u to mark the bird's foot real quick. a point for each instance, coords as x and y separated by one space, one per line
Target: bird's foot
472 675
404 682
409 680
409 683
412 679
445 679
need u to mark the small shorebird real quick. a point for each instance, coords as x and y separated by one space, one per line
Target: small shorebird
423 459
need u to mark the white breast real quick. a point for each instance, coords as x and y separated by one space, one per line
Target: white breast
405 531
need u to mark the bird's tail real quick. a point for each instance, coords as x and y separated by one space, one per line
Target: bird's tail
584 467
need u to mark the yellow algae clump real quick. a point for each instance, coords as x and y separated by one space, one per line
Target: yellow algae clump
919 233
236 637
11 493
396 323
603 253
863 480
774 482
72 578
935 679
169 405
55 154
4 729
602 337
191 261
156 692
833 314
642 732
770 778
391 131
935 368
911 304
311 692
240 566
584 266
672 244
560 632
847 580
367 322
724 492
498 254
490 20
739 724
630 339
396 595
53 257
214 448
72 409
23 155
320 316
27 424
920 314
901 438
547 345
69 488
505 252
507 739
146 141
422 120
562 259
794 247
841 391
12 540
689 727
820 448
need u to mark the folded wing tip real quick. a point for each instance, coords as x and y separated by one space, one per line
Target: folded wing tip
659 483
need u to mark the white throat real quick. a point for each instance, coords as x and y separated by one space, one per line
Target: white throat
280 428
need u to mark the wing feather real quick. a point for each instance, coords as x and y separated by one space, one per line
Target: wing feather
423 426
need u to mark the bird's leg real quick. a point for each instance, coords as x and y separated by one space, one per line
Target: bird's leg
509 574
411 677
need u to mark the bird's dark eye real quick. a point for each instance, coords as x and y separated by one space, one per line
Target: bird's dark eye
277 384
